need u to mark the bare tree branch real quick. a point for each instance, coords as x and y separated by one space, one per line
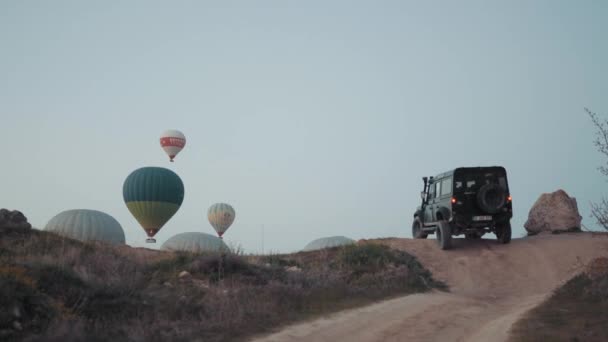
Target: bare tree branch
601 137
599 211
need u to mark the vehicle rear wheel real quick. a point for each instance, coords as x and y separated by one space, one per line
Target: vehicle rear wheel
503 233
417 231
444 235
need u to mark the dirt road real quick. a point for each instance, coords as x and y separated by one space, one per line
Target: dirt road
491 286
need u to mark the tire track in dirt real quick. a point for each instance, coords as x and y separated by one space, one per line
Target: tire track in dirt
491 287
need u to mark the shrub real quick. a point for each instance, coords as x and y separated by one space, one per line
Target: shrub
277 260
368 257
21 302
575 312
98 292
60 283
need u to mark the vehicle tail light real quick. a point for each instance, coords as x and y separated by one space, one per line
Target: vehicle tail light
453 200
509 198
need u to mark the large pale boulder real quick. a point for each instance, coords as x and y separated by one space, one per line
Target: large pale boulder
554 212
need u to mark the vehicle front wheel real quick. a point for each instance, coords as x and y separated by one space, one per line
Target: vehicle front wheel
417 231
503 233
444 235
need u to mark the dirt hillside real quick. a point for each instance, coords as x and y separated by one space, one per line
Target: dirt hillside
491 286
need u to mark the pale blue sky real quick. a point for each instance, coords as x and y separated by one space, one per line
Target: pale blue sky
314 118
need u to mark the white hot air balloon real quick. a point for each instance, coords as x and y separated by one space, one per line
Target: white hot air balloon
328 242
172 141
195 242
87 225
221 216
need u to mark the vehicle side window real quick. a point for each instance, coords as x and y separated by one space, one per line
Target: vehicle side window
446 186
437 189
431 191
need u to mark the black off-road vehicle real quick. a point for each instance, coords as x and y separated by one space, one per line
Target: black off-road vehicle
467 200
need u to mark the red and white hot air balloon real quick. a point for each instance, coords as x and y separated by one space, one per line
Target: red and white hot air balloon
172 141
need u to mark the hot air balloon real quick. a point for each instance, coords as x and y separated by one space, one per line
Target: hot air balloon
328 242
87 225
221 216
172 141
153 195
195 242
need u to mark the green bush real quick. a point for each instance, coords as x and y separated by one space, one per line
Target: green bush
368 256
398 266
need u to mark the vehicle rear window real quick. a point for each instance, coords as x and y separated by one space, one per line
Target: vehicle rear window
474 181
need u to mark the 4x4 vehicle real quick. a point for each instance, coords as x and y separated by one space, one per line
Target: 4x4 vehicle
467 200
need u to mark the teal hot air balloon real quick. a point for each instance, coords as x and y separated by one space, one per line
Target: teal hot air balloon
153 195
221 216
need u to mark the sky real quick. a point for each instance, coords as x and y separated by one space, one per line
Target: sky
312 118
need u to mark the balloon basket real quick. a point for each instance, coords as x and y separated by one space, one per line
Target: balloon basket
150 240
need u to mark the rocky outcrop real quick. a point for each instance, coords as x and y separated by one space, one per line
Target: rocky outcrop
554 212
13 220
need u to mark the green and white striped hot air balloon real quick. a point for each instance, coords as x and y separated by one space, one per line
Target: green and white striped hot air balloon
221 216
153 195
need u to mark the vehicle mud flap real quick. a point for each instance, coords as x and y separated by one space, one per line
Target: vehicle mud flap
417 231
444 235
503 233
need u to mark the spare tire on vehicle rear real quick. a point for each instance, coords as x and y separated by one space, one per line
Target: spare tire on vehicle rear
491 198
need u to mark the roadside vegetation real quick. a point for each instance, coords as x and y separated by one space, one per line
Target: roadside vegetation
58 289
577 311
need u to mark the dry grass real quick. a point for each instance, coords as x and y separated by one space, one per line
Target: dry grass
577 311
66 290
